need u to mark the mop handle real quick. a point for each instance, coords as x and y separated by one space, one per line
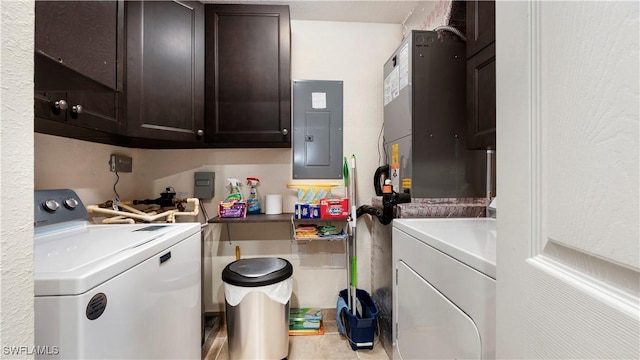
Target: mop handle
354 258
352 197
347 183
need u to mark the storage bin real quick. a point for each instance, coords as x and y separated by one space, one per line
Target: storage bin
360 331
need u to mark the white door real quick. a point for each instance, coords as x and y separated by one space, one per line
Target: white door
568 254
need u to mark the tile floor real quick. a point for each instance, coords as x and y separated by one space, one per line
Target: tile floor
331 345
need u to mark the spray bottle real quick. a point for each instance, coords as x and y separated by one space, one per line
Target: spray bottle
234 190
253 202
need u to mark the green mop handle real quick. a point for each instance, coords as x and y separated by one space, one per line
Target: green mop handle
345 173
354 271
352 203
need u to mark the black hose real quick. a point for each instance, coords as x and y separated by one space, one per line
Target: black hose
383 217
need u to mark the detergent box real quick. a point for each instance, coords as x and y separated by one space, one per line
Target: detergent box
307 211
334 208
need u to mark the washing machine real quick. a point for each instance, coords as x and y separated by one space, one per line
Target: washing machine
119 291
444 293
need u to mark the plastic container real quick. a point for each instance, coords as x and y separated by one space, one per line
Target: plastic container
234 190
360 331
253 201
257 293
233 205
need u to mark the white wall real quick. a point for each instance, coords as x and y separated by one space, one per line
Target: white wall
16 175
62 163
351 52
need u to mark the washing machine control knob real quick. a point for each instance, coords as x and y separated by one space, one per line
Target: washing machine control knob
51 205
70 203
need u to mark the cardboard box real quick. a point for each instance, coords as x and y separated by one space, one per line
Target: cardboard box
334 208
319 331
307 211
304 324
305 318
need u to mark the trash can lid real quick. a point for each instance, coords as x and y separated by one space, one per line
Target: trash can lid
257 272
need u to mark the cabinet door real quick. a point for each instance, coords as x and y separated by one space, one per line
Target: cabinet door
51 105
92 110
248 91
481 99
95 110
481 28
82 35
77 65
165 70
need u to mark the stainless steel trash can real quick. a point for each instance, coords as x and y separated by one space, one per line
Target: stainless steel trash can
257 293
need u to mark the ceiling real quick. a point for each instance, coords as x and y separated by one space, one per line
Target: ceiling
391 11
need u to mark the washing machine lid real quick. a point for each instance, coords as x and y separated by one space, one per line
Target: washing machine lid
71 261
471 241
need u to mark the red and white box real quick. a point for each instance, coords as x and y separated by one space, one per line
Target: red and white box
334 208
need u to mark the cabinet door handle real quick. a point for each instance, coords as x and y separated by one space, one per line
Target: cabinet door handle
199 133
60 104
285 131
77 109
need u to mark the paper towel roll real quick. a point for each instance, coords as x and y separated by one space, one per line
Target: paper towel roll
273 204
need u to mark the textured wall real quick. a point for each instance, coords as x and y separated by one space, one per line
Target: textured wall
427 15
16 176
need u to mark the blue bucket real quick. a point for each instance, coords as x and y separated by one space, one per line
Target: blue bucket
359 330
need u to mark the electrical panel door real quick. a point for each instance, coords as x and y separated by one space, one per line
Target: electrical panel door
317 129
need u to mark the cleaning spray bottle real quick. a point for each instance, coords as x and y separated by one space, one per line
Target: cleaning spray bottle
253 202
234 190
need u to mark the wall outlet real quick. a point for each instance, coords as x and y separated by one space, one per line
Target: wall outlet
120 163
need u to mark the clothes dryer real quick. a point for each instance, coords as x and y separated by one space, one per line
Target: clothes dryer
444 289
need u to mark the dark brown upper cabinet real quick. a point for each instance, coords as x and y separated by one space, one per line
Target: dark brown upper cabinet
79 68
481 28
165 72
248 77
481 99
481 75
81 35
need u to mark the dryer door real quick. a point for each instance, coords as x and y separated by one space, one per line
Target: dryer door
429 326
